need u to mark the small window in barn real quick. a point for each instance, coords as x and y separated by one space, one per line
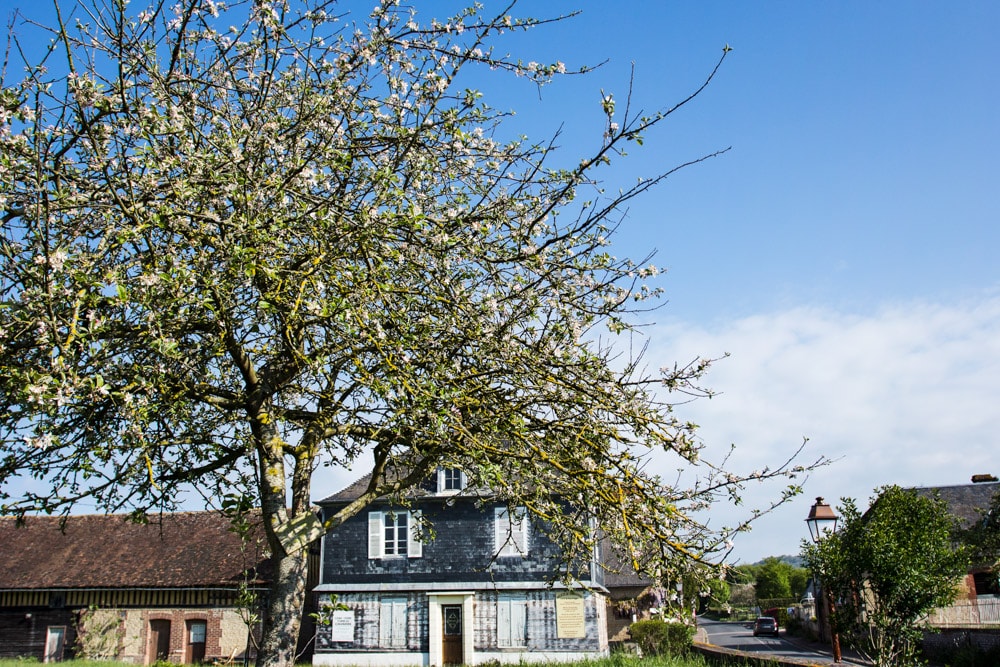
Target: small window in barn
987 583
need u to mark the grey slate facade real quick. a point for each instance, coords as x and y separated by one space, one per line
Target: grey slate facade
476 587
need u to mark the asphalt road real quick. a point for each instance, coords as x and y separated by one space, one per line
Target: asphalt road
739 636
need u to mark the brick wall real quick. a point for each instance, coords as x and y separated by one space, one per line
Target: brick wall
225 636
947 642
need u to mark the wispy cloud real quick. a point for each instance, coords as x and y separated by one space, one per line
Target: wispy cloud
906 394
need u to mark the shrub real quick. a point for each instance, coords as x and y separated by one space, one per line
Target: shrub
657 637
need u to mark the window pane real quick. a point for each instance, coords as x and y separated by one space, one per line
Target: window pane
396 532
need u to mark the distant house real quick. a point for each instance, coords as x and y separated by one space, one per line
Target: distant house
479 588
968 503
973 619
101 584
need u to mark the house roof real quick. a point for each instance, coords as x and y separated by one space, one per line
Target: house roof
182 550
351 492
966 502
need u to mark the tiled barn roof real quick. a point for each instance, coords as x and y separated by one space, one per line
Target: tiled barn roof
966 502
186 549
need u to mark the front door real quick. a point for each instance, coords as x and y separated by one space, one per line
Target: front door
451 642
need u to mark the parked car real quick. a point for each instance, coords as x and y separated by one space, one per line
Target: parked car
765 625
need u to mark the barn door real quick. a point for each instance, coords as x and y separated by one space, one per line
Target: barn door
55 642
159 641
194 652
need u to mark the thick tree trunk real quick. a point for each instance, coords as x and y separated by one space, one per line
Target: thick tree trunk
283 614
286 596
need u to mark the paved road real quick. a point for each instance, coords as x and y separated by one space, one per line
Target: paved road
739 636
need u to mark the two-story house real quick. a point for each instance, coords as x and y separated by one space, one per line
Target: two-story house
456 577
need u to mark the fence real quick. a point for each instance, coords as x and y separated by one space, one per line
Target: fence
979 613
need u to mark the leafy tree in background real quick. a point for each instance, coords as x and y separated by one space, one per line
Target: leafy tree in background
777 579
772 580
983 537
888 568
244 240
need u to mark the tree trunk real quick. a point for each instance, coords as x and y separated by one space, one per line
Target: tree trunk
287 592
283 615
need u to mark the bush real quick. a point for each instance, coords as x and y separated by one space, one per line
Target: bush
656 637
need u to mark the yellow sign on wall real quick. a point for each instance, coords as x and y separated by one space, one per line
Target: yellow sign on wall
570 616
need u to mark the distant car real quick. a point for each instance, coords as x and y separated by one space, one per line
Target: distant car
765 625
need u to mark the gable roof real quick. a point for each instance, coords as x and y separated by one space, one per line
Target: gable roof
181 550
965 502
349 493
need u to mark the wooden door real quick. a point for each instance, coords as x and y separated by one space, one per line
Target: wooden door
159 641
451 642
194 652
55 643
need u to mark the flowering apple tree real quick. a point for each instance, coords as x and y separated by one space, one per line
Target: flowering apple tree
245 239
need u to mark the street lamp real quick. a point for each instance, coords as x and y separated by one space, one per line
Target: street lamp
822 522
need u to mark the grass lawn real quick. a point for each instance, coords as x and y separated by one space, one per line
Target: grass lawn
618 660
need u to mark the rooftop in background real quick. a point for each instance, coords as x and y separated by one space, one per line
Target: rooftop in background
109 551
966 501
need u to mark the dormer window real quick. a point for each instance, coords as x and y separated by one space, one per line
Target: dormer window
450 480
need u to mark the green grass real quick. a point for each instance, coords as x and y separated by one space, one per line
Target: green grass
33 662
617 660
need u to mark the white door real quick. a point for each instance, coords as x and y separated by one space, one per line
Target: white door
55 641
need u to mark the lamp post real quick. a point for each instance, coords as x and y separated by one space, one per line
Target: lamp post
822 522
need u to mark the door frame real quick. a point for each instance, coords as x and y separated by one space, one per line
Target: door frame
435 625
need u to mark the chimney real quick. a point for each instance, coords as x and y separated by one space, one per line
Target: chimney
979 479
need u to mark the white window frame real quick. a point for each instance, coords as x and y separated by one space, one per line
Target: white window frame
377 528
443 479
510 537
392 626
512 621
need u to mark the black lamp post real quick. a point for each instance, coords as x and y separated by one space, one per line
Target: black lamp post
822 522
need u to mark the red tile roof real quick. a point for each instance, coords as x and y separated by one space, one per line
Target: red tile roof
186 549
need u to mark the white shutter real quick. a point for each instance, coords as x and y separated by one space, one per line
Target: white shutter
392 623
512 621
519 531
415 547
385 624
440 476
399 623
518 621
501 530
376 534
511 532
503 622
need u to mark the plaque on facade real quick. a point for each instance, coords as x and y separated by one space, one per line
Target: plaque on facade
570 616
342 626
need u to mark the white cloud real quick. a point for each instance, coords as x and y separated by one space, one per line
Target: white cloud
904 395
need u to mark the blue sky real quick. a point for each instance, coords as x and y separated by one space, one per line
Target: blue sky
842 251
